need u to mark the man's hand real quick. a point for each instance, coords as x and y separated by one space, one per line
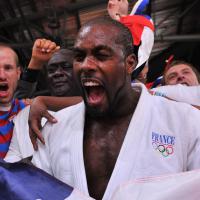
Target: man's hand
38 110
41 53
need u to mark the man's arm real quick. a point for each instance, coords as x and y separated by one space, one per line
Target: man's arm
56 103
20 146
39 108
41 53
13 154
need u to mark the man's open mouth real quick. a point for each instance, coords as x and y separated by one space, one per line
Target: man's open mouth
94 91
184 83
3 89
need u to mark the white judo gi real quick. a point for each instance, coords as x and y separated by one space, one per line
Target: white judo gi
180 186
163 137
182 93
21 146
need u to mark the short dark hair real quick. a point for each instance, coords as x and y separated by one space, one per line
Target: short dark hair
179 62
5 45
124 38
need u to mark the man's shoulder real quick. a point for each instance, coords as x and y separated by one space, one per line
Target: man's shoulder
69 119
161 99
181 93
178 87
22 115
182 111
70 112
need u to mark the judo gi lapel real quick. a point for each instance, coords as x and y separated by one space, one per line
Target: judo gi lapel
127 158
78 168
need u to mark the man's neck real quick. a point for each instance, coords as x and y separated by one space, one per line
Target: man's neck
127 104
122 108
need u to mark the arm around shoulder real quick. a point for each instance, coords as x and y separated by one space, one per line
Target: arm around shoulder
58 103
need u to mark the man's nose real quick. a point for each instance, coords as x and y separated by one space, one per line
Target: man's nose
2 74
89 64
58 71
180 77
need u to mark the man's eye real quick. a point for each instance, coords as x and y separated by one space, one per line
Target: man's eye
102 56
171 77
186 72
79 57
8 67
66 66
50 71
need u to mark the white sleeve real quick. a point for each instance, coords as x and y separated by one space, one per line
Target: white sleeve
20 146
194 143
41 157
14 154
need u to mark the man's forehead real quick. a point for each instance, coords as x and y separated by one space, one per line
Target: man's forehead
179 67
97 29
5 51
85 31
60 58
57 63
98 34
7 55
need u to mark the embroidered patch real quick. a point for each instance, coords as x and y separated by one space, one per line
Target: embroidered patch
164 144
157 93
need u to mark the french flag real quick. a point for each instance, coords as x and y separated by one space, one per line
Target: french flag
21 181
139 7
142 29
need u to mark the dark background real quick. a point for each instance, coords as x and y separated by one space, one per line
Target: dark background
177 24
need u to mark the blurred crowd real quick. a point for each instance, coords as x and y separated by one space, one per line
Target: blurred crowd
101 125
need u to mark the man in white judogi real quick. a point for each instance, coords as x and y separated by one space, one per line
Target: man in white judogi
119 133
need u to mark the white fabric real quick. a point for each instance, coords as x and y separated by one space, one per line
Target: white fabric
77 195
178 123
21 146
182 186
182 93
136 6
147 38
147 42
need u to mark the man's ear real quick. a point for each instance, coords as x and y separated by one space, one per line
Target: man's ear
131 63
19 71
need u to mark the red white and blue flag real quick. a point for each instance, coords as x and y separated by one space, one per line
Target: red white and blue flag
21 181
142 29
139 7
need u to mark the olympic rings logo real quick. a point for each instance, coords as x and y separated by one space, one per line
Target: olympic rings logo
165 150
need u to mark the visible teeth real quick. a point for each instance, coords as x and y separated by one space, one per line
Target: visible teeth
184 84
91 83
